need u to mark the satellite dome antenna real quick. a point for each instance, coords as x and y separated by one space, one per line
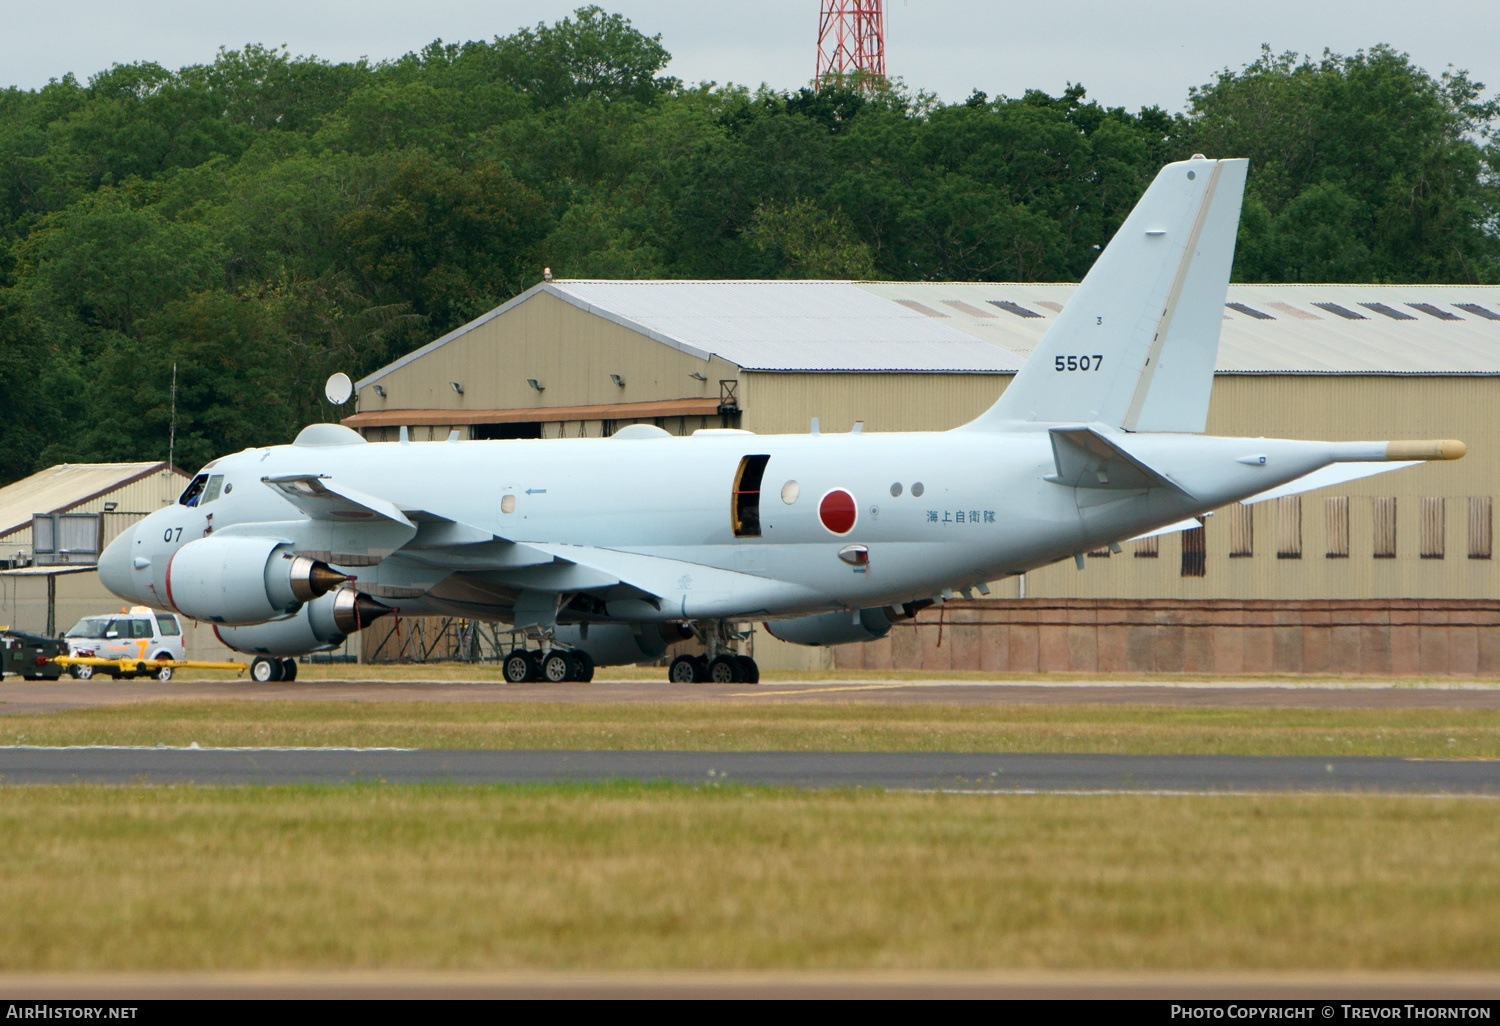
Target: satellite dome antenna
339 389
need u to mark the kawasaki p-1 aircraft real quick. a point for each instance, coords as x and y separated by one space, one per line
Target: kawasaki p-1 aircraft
601 550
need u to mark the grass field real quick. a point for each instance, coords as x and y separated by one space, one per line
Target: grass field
776 726
665 877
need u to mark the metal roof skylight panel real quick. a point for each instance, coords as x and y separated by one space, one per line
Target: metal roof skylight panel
1388 311
1250 311
1478 311
1342 311
1015 308
1435 311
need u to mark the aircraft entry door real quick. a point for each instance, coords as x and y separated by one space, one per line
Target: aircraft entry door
744 510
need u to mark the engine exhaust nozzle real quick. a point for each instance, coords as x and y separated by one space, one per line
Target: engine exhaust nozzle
354 610
312 578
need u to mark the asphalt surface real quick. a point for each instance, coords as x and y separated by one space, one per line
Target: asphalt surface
923 771
20 697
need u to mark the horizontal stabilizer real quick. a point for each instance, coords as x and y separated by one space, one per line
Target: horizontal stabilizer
1087 459
1339 473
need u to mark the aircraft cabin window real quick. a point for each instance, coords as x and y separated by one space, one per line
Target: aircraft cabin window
745 508
194 491
508 504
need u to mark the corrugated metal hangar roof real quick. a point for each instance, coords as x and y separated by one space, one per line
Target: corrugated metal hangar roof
989 328
64 487
1268 329
789 326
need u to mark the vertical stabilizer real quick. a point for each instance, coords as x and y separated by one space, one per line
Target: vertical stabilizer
1136 345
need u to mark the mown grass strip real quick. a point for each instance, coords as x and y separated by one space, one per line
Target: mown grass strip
1146 730
633 877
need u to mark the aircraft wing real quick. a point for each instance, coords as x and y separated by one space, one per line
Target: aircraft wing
321 498
627 581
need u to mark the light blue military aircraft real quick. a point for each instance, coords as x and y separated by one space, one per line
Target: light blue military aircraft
600 551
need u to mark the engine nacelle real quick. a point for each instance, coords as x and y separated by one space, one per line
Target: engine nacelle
319 625
226 579
615 644
833 628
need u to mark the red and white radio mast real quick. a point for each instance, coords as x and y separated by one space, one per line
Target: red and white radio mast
851 43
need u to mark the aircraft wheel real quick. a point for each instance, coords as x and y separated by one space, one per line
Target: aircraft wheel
684 670
749 672
583 667
557 668
84 672
289 669
518 667
724 670
265 671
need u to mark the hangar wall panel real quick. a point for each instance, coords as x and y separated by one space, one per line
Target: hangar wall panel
568 351
785 403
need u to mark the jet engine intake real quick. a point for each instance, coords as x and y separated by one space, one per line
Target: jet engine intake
237 580
834 628
319 625
614 644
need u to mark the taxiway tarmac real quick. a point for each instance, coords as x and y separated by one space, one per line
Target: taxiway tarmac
919 771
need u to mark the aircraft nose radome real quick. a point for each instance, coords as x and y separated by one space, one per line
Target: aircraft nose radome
115 566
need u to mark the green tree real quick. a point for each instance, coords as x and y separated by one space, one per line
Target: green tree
1363 168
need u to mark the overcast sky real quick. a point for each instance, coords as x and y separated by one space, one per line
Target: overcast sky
1126 52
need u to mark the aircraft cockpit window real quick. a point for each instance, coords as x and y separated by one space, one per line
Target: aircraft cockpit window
194 491
215 485
744 513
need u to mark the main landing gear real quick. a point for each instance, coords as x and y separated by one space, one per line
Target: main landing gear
555 666
266 671
719 664
728 668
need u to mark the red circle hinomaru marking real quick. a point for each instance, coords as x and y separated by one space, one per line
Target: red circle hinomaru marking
838 511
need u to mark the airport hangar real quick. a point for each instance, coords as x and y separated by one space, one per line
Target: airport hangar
1390 574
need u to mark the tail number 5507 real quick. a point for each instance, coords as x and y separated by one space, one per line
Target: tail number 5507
1079 363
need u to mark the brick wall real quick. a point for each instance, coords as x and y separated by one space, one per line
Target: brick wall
1427 637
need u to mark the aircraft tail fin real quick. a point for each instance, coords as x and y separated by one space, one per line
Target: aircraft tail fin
1135 346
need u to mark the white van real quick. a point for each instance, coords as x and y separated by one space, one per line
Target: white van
139 634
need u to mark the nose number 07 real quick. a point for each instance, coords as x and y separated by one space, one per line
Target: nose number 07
1079 363
167 537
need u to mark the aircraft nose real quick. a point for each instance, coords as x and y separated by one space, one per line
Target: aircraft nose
115 565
